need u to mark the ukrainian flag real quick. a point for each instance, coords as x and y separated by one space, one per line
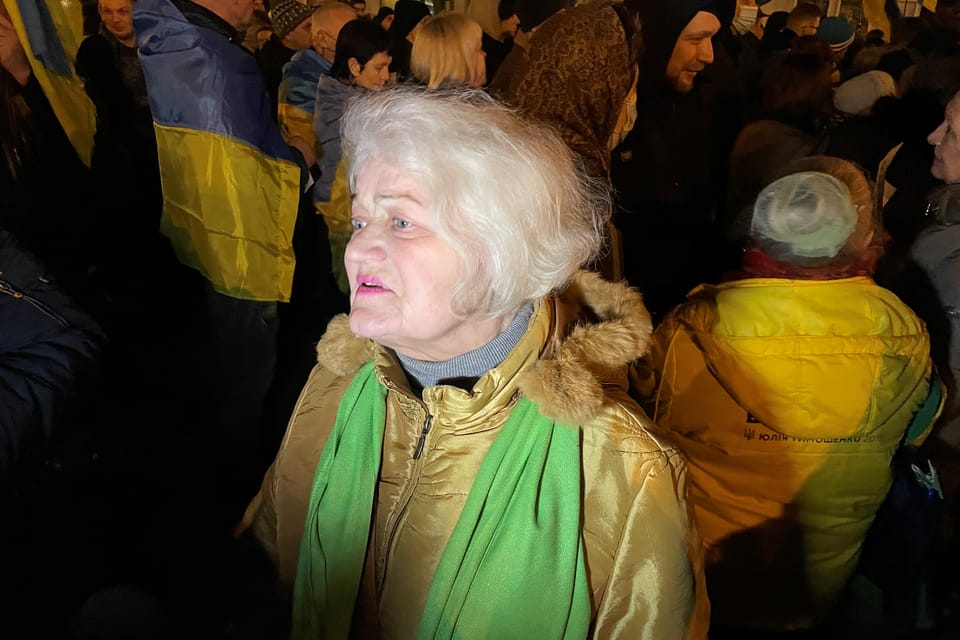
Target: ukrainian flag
297 97
50 32
230 185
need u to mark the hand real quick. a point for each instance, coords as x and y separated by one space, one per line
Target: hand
304 148
12 56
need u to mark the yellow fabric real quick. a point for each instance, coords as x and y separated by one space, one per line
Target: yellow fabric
338 211
876 16
789 399
642 559
239 238
66 94
296 122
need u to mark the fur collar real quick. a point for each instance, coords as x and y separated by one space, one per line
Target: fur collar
601 327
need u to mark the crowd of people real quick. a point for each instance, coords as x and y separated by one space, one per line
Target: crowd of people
517 319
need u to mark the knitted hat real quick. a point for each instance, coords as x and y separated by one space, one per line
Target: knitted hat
836 32
858 94
286 15
809 214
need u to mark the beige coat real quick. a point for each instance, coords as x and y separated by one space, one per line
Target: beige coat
642 557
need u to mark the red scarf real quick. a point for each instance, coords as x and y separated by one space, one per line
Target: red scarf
757 264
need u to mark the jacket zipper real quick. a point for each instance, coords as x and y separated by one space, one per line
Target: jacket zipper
407 494
7 288
423 437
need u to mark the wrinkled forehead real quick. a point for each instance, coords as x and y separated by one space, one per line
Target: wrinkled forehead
952 114
115 4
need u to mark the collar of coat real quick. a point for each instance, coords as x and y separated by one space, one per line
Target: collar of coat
601 328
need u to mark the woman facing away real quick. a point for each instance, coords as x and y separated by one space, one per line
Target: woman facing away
482 470
448 51
789 388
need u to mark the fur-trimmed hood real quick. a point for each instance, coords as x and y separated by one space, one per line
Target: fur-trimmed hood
600 327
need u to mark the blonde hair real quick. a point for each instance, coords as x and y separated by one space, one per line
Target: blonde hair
513 200
445 52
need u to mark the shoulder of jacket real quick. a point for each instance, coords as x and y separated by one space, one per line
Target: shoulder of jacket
341 351
569 384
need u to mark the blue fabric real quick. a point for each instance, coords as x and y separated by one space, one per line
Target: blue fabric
176 59
298 87
43 36
332 96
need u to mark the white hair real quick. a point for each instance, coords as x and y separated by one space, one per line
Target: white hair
808 214
509 196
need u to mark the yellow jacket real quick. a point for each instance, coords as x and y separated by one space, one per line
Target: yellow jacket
642 556
789 398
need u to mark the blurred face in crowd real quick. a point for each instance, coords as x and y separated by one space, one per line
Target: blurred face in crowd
263 36
745 16
117 17
807 26
300 38
508 27
692 52
374 74
402 273
946 141
359 7
238 13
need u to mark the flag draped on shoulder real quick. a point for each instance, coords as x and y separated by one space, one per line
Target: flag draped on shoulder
298 91
51 32
230 185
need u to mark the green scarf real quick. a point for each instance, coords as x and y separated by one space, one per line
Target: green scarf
513 567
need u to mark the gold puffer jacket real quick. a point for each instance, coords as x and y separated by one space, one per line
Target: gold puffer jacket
642 556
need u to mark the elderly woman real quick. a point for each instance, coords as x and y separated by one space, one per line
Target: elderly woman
448 52
935 251
482 470
790 388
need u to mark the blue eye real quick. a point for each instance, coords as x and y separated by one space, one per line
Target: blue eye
357 224
400 223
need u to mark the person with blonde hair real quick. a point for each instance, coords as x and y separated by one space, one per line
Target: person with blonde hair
448 51
467 431
789 388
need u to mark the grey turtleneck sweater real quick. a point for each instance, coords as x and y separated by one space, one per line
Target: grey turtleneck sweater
464 370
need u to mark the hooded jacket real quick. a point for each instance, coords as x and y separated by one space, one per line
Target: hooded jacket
789 397
664 171
642 564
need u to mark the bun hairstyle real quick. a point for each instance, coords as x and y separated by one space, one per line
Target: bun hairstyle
819 214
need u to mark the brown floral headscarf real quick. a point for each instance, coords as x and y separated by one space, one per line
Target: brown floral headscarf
575 76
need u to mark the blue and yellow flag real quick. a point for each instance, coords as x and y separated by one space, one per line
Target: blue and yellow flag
230 185
51 32
297 97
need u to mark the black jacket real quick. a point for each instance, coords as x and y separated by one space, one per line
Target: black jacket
48 356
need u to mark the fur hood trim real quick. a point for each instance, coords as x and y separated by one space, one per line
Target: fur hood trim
567 383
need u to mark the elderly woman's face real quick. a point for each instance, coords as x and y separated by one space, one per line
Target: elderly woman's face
402 274
946 142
